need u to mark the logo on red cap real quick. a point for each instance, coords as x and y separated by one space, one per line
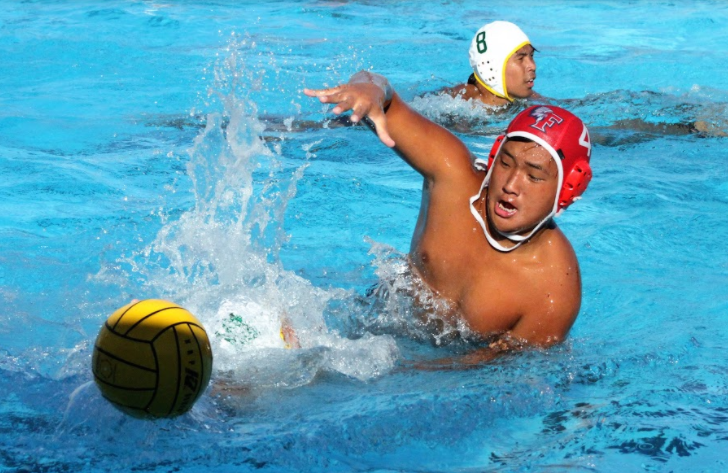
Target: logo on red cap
545 117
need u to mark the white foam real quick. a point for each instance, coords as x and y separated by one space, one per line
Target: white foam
221 256
441 107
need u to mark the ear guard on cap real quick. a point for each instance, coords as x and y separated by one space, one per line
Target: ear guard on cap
495 149
575 183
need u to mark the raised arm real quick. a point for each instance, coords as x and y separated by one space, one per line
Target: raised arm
429 148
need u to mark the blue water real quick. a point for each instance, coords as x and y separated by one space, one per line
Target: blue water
166 150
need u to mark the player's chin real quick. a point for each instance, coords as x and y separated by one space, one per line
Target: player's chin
504 228
525 93
513 226
524 90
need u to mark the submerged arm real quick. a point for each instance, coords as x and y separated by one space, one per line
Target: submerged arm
503 345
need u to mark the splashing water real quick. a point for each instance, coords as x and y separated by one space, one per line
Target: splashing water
220 259
402 303
464 116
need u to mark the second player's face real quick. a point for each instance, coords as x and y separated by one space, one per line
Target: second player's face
521 73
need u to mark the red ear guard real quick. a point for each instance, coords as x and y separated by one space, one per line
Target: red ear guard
575 183
495 149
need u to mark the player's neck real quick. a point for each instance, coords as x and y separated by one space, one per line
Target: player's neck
489 98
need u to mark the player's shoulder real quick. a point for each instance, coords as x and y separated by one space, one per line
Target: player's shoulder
556 254
555 294
463 91
558 248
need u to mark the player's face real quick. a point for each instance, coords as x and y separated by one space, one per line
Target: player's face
521 73
522 187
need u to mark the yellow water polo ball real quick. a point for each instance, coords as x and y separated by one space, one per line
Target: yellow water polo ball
152 359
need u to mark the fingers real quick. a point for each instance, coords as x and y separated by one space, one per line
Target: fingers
346 97
340 108
362 99
335 95
380 125
357 112
321 92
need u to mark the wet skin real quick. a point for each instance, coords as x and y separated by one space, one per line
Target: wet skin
522 188
533 293
520 77
521 73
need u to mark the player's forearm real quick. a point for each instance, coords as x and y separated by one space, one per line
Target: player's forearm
473 360
427 147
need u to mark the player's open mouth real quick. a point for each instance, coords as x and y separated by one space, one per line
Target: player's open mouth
504 209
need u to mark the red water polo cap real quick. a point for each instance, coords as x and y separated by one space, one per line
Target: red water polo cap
565 137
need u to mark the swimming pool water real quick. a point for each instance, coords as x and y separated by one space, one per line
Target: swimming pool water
166 150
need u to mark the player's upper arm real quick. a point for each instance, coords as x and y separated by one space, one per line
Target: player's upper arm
553 310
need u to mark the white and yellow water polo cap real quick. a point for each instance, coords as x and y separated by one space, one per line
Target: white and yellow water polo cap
490 50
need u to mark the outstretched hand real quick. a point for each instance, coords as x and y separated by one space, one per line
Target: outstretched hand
363 99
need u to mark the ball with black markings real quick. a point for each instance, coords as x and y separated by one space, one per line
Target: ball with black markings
152 359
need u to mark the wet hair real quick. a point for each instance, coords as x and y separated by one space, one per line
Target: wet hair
523 139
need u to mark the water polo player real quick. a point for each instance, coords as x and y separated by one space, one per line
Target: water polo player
485 241
501 56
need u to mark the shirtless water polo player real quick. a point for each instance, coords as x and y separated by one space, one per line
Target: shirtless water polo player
501 56
486 241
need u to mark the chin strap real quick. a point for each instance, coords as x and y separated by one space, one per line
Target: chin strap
517 239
